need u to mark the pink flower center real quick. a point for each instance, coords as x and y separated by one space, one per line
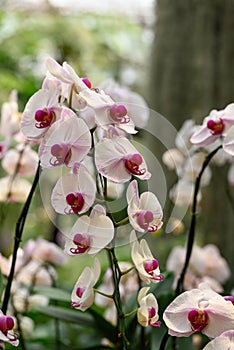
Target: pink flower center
198 319
44 117
150 266
82 241
118 113
6 324
229 298
144 217
80 291
87 82
216 126
152 313
132 164
62 153
76 202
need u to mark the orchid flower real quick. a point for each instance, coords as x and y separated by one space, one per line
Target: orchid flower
90 233
117 159
74 193
144 212
83 294
6 330
68 141
41 111
137 108
215 125
147 313
108 111
199 310
146 265
10 117
224 341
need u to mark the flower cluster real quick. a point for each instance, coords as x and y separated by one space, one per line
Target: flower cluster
206 265
87 132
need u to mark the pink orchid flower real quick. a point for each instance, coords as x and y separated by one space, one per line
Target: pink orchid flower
214 126
225 341
199 310
68 141
144 212
117 159
40 112
83 294
108 111
147 313
6 330
90 234
69 83
137 108
74 193
146 265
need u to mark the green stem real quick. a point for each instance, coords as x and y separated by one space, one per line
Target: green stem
110 296
122 222
18 235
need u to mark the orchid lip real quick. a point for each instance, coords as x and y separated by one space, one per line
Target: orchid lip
132 164
62 154
44 118
199 319
82 241
76 201
215 126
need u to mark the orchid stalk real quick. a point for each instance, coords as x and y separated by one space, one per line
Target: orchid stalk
18 236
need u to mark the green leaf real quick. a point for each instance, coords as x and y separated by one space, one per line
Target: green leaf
65 314
53 293
103 325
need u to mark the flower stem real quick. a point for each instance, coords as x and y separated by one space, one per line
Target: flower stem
191 235
18 235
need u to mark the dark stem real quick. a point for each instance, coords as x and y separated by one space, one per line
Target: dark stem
191 235
18 235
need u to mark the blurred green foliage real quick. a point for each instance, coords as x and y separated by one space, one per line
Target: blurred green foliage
95 45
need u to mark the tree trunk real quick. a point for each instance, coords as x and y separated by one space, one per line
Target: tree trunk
191 73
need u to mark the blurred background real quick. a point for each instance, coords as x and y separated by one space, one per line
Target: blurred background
177 54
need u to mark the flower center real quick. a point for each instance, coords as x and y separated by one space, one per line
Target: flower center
87 82
118 113
132 164
82 241
44 117
62 153
198 319
216 126
76 202
229 298
144 217
6 324
150 266
80 291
